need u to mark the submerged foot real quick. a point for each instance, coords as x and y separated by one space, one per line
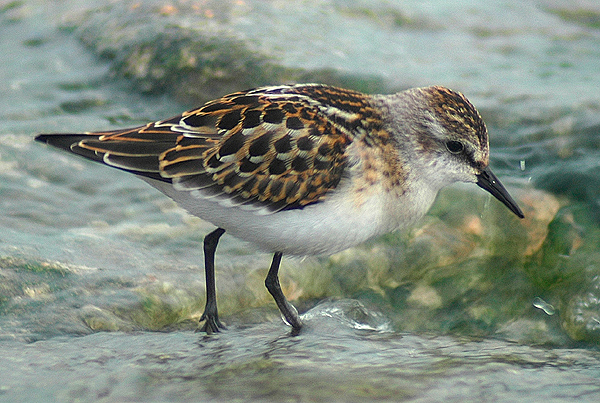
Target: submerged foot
290 316
212 324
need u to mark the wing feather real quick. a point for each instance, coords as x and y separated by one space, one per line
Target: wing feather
273 148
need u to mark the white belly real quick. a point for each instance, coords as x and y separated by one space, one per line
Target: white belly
326 227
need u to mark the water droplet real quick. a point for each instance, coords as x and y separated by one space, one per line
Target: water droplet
544 306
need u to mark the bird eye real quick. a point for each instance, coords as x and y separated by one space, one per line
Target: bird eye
454 146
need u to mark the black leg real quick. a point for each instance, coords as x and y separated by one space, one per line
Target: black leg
210 315
289 313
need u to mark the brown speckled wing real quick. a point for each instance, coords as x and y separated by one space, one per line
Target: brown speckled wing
275 151
275 147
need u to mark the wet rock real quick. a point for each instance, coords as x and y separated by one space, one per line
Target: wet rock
103 320
194 51
581 317
461 270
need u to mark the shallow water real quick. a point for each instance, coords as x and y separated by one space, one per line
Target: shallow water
93 260
330 361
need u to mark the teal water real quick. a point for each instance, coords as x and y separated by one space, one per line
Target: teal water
101 276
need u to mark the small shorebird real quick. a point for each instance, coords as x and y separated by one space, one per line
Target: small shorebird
302 169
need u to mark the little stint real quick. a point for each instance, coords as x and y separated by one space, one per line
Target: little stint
302 169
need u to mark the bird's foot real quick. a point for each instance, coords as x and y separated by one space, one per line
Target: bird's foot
212 324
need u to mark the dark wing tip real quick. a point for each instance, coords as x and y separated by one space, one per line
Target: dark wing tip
68 142
143 164
61 140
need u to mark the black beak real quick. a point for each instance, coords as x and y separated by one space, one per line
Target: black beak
488 181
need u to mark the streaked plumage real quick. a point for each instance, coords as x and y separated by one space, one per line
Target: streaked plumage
304 169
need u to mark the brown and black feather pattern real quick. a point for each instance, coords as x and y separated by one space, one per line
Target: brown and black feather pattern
275 147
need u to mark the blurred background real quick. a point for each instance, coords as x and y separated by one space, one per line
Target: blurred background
88 250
